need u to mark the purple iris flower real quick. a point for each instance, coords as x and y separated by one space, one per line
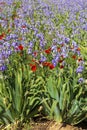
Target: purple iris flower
8 38
54 62
54 40
14 44
9 52
81 80
42 44
6 44
79 69
31 44
43 58
3 68
54 47
9 2
74 44
40 36
29 51
13 36
67 40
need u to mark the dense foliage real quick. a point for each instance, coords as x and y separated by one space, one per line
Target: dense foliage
43 60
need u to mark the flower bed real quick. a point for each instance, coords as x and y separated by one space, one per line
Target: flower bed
43 61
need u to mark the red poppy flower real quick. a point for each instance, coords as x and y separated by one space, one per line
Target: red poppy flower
33 60
46 63
51 66
62 56
23 26
58 49
78 49
80 59
60 61
2 36
47 51
9 30
62 44
33 67
20 47
20 38
35 53
74 57
61 66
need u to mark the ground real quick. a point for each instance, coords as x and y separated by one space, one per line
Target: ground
52 125
45 124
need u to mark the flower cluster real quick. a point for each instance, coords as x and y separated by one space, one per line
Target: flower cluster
23 29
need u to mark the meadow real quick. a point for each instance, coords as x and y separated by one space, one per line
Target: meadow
43 61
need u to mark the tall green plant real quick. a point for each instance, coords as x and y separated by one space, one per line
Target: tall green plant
64 99
19 99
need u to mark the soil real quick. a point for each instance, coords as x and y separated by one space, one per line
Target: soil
52 125
44 124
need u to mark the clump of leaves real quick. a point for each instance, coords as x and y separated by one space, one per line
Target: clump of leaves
19 99
64 99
